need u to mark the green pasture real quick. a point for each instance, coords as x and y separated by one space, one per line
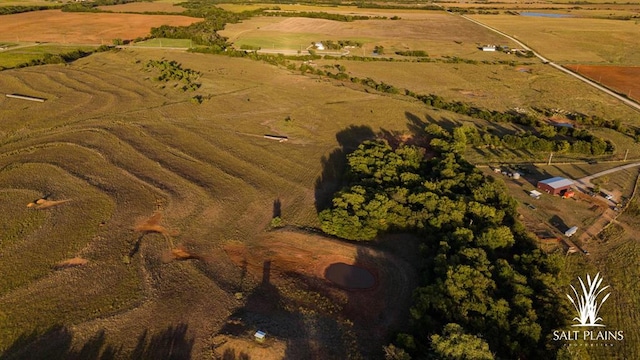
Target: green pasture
16 56
164 42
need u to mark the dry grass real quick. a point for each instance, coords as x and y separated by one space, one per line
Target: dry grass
427 30
82 28
573 40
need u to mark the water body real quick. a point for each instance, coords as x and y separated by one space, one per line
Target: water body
349 276
540 14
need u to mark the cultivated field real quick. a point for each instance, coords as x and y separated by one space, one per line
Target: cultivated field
622 79
573 40
82 28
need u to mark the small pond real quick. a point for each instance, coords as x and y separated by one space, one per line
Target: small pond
349 276
549 15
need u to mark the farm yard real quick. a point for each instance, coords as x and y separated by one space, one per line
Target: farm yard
145 201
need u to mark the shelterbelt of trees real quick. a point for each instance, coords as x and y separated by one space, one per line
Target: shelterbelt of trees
486 290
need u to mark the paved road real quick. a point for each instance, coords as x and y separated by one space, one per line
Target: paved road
625 100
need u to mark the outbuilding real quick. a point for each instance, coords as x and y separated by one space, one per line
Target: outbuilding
555 186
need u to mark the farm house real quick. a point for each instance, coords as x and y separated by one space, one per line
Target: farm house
555 186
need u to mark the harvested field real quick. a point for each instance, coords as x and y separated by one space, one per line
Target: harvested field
141 7
82 28
622 79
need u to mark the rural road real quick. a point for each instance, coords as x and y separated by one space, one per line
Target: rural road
585 182
625 100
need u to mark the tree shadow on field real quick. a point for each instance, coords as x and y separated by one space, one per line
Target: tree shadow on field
56 343
172 343
333 165
230 354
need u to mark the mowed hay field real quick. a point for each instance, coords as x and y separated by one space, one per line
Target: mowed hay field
436 32
146 171
82 28
573 40
623 79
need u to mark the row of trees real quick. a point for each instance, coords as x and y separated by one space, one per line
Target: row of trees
485 289
567 140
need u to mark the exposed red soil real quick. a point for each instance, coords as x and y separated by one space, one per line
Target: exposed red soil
622 79
283 256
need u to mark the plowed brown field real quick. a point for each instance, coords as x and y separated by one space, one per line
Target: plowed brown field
623 79
83 28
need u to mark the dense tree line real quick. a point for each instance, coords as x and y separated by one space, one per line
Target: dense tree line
16 9
418 53
486 291
204 32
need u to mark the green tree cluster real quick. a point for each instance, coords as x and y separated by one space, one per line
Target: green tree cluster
173 71
486 289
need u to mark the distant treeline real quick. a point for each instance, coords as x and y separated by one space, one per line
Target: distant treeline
322 15
204 32
92 6
6 10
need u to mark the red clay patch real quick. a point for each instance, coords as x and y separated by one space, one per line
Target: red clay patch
622 79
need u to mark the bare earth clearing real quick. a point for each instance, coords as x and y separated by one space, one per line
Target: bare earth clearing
83 28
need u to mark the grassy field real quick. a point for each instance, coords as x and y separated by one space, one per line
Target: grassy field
573 40
163 42
13 57
437 32
121 146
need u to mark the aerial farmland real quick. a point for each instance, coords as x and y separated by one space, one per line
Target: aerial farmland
221 180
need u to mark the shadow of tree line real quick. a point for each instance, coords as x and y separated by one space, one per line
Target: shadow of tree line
57 343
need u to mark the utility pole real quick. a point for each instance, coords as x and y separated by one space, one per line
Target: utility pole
550 157
625 155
